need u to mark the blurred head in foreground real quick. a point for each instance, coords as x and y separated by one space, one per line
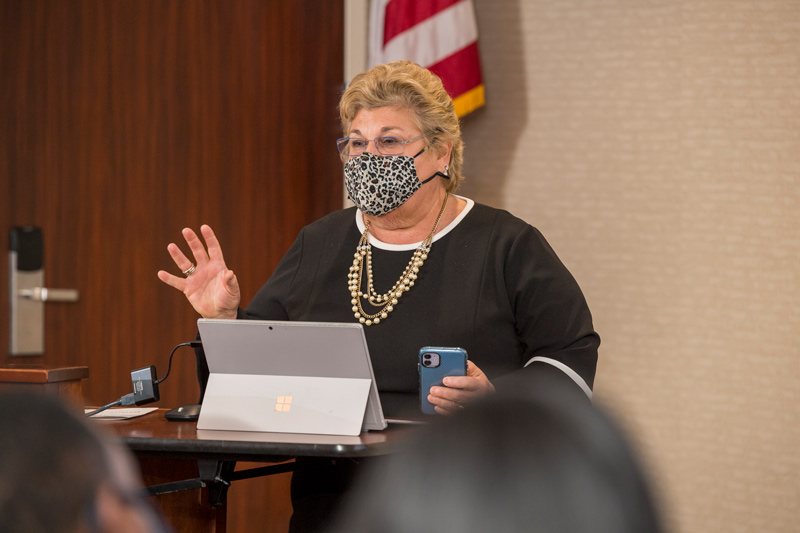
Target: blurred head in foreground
544 462
57 475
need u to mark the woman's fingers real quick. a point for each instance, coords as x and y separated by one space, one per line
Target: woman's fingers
444 407
445 399
231 283
201 255
448 394
214 249
196 245
181 261
454 408
172 281
210 287
466 383
458 390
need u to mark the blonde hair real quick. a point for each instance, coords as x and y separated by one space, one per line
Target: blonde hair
406 85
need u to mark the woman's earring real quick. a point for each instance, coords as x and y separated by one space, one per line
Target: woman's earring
446 169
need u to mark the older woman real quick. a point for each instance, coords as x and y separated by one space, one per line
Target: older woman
413 262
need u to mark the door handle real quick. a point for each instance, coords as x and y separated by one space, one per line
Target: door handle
43 294
28 293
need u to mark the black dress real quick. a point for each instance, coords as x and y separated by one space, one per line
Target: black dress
491 285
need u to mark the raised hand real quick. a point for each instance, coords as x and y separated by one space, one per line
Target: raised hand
210 287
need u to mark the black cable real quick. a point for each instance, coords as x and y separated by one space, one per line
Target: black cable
193 344
128 399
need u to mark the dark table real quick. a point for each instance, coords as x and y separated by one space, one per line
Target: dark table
178 460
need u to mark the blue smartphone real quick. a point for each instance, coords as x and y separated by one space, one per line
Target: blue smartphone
436 363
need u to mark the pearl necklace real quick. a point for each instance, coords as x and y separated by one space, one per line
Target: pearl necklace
384 302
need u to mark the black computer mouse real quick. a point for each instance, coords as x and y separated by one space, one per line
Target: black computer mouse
184 413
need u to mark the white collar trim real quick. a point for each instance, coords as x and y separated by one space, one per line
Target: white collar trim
403 247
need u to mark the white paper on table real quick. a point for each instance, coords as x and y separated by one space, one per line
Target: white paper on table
121 413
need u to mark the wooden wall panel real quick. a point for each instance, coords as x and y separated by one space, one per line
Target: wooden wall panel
123 122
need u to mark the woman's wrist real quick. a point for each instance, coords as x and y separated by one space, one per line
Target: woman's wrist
226 314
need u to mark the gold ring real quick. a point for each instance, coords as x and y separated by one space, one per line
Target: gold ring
189 271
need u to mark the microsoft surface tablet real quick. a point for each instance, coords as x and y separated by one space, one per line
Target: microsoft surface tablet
289 377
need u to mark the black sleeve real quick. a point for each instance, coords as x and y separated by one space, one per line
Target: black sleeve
553 319
271 302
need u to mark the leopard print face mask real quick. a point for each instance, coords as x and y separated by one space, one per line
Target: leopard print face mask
381 184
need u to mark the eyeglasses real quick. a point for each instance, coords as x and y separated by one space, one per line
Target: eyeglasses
354 146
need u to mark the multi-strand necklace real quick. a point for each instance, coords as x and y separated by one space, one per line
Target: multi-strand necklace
384 303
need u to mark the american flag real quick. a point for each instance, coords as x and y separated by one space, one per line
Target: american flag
441 35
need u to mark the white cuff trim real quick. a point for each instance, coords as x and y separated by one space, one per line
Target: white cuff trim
567 370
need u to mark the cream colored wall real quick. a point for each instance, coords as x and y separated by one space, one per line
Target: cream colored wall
657 146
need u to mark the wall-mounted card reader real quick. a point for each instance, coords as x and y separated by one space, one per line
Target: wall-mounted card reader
28 293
